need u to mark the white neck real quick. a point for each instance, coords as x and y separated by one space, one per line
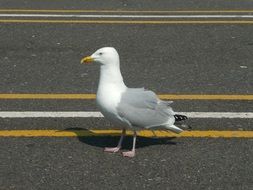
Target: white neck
110 89
111 75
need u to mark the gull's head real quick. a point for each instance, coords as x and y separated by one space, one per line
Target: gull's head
103 56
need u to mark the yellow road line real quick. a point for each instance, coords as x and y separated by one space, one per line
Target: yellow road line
48 96
162 96
143 133
128 21
122 11
205 97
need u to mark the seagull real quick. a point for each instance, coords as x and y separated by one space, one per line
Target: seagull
130 108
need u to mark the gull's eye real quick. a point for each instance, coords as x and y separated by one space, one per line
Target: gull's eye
100 53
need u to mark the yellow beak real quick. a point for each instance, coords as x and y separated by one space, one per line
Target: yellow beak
87 60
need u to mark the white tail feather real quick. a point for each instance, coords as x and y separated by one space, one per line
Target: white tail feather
173 128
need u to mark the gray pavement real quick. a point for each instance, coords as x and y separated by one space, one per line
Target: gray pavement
172 58
181 59
127 4
70 163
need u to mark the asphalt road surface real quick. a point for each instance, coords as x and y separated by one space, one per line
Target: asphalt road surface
178 56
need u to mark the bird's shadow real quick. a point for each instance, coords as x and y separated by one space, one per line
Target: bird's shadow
111 140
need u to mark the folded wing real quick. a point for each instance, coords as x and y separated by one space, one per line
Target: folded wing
142 108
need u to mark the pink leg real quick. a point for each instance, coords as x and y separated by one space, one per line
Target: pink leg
132 152
118 147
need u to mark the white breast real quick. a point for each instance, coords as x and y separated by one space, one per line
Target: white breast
108 98
110 89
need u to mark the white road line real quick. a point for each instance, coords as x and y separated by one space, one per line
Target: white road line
217 115
54 114
83 114
122 16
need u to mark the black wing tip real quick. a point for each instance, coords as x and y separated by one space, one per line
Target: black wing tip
180 117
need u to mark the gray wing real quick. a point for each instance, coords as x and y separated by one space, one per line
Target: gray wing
142 108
